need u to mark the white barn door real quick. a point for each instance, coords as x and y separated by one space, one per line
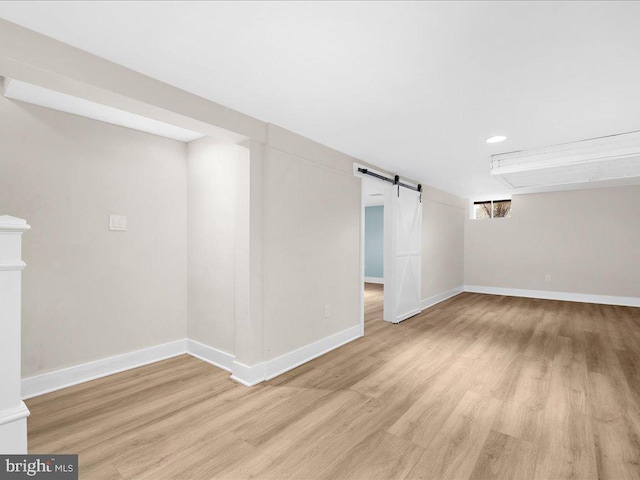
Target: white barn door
402 253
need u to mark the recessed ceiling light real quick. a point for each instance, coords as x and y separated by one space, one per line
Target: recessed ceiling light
496 139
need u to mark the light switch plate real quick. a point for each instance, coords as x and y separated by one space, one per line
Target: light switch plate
118 223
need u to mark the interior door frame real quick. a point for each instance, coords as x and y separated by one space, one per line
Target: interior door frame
356 173
362 217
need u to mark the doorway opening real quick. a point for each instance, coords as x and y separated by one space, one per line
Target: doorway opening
373 206
391 230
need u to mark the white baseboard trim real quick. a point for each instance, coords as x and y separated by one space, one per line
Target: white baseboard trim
551 295
246 375
441 297
378 280
210 355
67 377
291 360
249 375
406 316
14 414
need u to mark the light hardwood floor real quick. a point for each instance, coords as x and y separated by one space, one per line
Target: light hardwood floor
476 387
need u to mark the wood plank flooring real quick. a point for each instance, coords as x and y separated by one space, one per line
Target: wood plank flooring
476 387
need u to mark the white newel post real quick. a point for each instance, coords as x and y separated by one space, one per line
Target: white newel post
13 411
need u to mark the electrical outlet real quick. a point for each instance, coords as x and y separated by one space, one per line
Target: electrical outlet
547 278
327 311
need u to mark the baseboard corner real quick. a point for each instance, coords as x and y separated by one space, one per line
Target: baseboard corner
248 375
212 355
289 361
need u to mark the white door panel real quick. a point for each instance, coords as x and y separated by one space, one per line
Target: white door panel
402 253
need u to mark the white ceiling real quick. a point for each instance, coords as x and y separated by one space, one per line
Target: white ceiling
414 87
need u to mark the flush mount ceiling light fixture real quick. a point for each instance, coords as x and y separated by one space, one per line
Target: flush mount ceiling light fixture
496 139
596 159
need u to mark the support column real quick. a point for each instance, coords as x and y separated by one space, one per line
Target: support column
248 366
13 411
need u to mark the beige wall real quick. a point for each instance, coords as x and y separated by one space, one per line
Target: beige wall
86 170
212 179
312 242
443 217
311 249
301 232
587 240
90 293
